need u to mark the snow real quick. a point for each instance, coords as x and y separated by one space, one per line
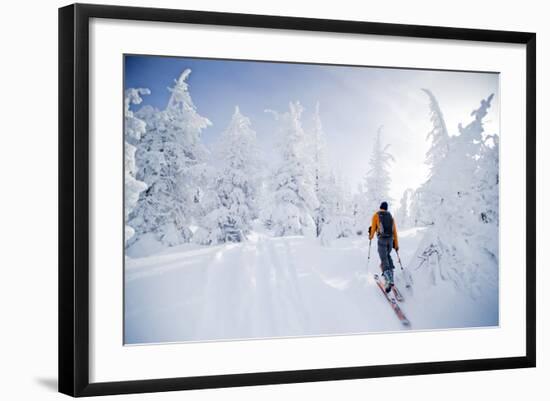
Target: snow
283 287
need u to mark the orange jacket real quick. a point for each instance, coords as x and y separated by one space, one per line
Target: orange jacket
375 226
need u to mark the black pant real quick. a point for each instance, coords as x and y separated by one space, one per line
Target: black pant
385 246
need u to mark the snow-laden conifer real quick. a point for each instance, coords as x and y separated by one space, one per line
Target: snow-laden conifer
424 197
293 201
339 221
377 181
454 246
320 173
134 128
233 186
403 214
170 159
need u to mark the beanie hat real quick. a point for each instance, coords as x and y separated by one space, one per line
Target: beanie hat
384 206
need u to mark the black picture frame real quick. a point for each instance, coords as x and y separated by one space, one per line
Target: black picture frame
74 194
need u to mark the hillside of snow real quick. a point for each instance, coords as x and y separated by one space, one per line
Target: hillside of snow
241 237
286 286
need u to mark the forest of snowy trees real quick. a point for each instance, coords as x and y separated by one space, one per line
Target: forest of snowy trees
179 191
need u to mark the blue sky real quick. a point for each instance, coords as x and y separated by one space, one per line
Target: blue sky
354 102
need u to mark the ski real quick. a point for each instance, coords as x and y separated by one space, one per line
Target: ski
393 302
398 294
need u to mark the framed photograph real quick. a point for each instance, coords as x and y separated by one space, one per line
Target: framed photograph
250 199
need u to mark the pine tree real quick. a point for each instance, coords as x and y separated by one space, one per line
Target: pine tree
134 128
488 180
358 210
403 214
425 197
377 181
294 200
339 211
451 247
234 186
487 194
439 135
170 160
320 172
419 212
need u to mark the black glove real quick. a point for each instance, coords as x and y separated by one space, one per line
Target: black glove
369 230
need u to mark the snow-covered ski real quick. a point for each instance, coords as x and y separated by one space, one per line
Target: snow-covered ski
393 302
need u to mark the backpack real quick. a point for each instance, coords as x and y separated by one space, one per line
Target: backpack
385 226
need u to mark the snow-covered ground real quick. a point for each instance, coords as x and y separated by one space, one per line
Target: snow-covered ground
287 286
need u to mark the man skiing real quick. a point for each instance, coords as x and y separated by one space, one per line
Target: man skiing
383 225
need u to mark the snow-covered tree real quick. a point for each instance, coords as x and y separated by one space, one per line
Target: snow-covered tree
419 214
452 248
294 200
358 210
320 172
234 185
438 135
377 181
339 221
487 194
169 159
488 180
134 128
424 197
403 213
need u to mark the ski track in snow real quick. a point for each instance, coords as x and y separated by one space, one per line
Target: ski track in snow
280 287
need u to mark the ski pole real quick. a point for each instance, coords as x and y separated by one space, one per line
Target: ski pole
399 259
368 259
408 277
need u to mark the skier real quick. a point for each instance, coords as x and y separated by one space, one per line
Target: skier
383 225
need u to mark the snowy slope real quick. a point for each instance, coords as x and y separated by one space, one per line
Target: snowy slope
288 286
